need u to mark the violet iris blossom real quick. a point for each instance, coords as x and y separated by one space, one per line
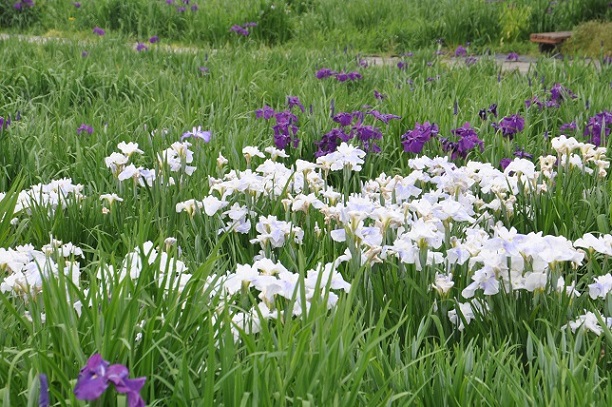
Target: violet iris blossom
414 140
98 374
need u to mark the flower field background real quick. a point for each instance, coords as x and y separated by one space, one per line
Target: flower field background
226 204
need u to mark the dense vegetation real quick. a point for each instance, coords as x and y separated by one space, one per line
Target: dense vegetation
243 224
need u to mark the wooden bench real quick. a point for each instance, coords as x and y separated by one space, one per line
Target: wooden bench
548 42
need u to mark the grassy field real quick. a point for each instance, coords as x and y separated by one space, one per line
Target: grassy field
260 221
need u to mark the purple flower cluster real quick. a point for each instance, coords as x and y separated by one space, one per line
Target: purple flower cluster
483 113
286 123
98 375
460 51
558 93
4 123
243 29
598 126
414 140
468 141
352 127
141 47
85 128
510 125
23 4
99 31
182 8
340 76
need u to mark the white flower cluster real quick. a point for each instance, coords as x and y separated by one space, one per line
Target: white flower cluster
171 272
415 219
272 281
57 193
176 159
24 267
589 155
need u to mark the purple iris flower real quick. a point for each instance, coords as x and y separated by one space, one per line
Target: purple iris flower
460 51
141 47
378 95
344 118
43 399
504 162
98 374
197 133
401 65
558 93
265 113
324 73
92 380
76 4
243 29
353 76
414 140
330 142
510 125
571 126
85 128
118 375
239 30
84 54
383 117
468 141
4 123
194 8
99 31
513 56
342 77
493 109
469 61
535 101
366 135
598 126
522 154
285 129
295 101
20 5
154 39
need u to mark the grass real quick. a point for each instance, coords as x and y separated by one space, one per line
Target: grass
396 337
320 23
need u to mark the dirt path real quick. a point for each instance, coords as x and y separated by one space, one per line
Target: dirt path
522 65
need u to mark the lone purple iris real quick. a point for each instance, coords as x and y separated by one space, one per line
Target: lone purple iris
85 128
98 374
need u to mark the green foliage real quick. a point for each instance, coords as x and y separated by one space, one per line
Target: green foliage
389 341
591 38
